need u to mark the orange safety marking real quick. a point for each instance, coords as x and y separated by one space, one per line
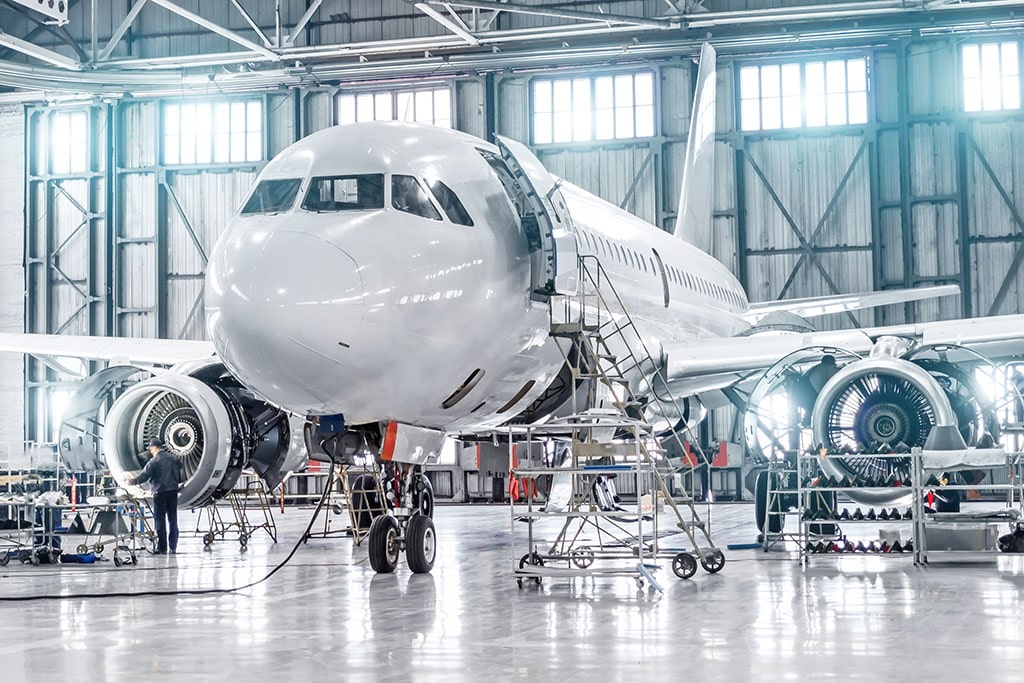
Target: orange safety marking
390 437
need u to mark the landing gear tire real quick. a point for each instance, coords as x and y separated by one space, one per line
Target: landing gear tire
384 544
713 562
420 544
684 566
775 521
425 497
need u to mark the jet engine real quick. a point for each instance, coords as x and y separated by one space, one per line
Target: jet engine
209 421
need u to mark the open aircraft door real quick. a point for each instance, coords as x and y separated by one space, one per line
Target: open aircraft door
546 222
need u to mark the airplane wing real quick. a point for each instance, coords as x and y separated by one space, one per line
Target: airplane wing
707 365
119 349
824 305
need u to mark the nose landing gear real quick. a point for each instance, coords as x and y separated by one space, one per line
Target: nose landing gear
407 526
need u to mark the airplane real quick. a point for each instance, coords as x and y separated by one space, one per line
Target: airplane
385 285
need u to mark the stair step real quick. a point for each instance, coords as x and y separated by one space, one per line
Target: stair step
570 329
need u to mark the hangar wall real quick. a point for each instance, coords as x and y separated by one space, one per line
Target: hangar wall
12 274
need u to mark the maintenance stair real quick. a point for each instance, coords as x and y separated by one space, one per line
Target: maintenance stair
608 435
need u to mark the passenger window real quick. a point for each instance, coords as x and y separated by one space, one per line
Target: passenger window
345 193
407 195
272 196
449 201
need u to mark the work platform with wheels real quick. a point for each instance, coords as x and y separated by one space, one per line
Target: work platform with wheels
615 385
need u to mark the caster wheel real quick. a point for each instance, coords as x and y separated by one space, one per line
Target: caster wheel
582 558
99 548
82 549
243 541
135 559
336 509
532 559
117 562
35 560
639 584
684 565
713 562
208 538
5 557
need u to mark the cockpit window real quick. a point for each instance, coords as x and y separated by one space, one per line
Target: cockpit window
409 196
272 196
449 201
345 193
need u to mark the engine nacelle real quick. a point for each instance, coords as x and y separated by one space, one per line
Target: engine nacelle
210 422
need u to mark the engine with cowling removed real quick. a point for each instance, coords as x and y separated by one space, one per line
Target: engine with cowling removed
207 419
863 408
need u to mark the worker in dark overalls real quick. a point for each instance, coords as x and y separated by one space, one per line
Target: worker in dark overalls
163 473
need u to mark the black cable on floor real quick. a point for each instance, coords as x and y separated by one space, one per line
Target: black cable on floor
198 591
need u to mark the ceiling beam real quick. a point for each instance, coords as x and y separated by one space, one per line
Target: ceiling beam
252 24
540 10
447 23
301 26
40 53
122 28
216 28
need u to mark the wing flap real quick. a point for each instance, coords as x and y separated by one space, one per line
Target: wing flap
825 305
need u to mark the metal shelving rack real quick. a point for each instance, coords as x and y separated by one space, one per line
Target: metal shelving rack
961 521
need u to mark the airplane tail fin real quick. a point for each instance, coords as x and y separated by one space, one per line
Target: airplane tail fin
696 197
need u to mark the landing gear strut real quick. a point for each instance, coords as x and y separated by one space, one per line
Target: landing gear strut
407 525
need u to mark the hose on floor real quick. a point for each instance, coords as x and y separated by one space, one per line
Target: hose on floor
194 591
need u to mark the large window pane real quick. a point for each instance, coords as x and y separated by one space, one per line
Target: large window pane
991 76
797 94
587 108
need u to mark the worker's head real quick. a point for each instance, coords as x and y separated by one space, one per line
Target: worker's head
155 445
828 359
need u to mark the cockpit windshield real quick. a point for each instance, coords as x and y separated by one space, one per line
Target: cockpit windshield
272 196
409 196
345 193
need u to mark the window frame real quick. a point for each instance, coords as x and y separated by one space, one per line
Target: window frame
962 81
260 134
592 110
76 154
870 114
394 94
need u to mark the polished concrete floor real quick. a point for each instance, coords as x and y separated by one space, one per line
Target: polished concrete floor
326 616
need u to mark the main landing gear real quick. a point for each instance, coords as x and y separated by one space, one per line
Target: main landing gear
407 526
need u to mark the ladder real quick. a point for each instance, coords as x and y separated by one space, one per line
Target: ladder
606 348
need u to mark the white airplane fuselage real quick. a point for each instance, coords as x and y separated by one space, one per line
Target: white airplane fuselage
379 314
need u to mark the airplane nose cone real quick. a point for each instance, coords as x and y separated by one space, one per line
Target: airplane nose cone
283 311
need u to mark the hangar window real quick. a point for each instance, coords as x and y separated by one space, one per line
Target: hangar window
991 73
345 193
212 132
69 135
593 108
799 95
433 105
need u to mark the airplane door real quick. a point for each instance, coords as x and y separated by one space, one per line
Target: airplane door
546 222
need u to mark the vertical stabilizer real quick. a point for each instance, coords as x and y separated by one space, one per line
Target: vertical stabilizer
696 197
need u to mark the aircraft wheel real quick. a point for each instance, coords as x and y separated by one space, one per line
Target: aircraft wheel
425 497
684 566
420 544
713 562
383 544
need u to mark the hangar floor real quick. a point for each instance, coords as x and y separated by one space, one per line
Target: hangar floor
326 616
